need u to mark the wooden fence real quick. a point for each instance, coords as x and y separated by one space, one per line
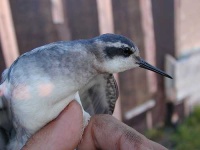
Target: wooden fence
25 25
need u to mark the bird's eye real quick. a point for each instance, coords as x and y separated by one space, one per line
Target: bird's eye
127 51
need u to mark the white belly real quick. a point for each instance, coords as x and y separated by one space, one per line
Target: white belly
34 115
34 106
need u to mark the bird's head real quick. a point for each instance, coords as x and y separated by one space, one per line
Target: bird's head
116 53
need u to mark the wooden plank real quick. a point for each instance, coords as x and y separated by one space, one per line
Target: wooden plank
140 109
33 23
7 34
170 91
149 120
133 83
60 20
82 18
186 81
57 11
164 20
187 26
105 18
149 42
2 61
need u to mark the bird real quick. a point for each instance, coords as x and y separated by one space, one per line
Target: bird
42 82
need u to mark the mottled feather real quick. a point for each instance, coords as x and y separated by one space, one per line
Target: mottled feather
100 95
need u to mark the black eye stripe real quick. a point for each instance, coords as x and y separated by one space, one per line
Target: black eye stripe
114 51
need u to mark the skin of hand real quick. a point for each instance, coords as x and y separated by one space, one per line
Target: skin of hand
103 132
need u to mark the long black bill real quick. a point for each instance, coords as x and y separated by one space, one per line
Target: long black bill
147 66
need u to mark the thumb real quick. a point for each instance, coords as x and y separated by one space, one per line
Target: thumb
62 133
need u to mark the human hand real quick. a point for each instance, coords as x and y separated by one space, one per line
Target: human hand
103 132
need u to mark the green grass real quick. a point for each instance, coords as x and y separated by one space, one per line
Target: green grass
154 134
185 137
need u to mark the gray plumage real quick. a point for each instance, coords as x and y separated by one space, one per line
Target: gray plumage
42 82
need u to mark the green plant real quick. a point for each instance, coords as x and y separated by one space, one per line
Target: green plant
187 136
154 134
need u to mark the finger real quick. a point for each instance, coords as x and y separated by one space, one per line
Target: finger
105 132
62 133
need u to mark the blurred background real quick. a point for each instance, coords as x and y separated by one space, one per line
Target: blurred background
167 34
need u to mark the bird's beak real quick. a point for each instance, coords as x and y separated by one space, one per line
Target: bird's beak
147 66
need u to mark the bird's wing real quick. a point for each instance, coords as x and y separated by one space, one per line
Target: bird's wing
100 95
